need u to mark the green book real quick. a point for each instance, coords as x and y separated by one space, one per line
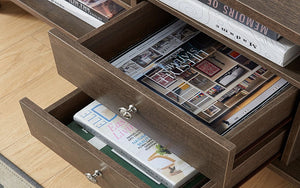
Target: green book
196 180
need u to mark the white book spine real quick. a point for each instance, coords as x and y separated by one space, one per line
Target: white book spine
280 52
77 12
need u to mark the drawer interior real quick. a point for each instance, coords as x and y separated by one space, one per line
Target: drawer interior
138 30
134 26
63 111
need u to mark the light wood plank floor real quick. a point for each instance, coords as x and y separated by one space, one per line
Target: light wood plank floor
27 69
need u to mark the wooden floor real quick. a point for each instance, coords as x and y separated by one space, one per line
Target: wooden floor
27 69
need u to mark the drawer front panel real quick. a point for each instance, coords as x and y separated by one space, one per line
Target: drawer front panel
192 141
74 149
200 147
264 119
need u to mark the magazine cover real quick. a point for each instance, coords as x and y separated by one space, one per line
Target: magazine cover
107 8
134 145
201 76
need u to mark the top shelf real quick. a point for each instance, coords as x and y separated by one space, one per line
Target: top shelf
282 17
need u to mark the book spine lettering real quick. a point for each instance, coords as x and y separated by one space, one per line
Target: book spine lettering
278 52
88 10
245 20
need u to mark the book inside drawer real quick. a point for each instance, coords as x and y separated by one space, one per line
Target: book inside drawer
184 136
202 77
86 63
55 127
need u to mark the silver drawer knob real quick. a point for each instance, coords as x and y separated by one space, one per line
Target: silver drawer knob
127 113
92 178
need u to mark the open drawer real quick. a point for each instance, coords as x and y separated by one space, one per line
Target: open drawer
62 19
50 127
85 64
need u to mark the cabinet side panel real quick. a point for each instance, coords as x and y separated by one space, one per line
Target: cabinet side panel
292 149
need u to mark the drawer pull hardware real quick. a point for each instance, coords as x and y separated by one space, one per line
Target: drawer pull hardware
92 178
127 113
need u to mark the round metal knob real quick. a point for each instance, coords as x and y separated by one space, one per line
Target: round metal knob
92 178
127 113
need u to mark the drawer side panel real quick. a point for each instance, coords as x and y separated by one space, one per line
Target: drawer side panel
264 119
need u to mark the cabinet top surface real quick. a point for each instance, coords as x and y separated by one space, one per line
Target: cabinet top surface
280 16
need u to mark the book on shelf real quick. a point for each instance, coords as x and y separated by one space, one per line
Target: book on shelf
206 79
77 13
198 179
102 10
245 20
280 52
134 145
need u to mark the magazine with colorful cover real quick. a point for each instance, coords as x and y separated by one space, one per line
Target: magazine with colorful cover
198 179
100 145
134 145
103 10
200 75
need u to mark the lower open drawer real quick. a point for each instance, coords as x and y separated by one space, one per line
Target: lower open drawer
49 126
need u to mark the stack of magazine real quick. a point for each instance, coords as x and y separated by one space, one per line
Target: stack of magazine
132 145
208 80
239 28
93 12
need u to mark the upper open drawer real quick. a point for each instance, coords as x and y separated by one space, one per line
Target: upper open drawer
85 64
60 14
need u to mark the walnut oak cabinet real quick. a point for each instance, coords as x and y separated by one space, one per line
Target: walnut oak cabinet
82 53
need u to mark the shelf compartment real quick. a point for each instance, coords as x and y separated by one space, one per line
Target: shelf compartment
291 72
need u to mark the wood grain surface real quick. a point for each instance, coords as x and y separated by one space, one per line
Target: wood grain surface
35 76
56 17
183 135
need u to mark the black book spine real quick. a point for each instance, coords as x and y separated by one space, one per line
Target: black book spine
245 20
88 10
